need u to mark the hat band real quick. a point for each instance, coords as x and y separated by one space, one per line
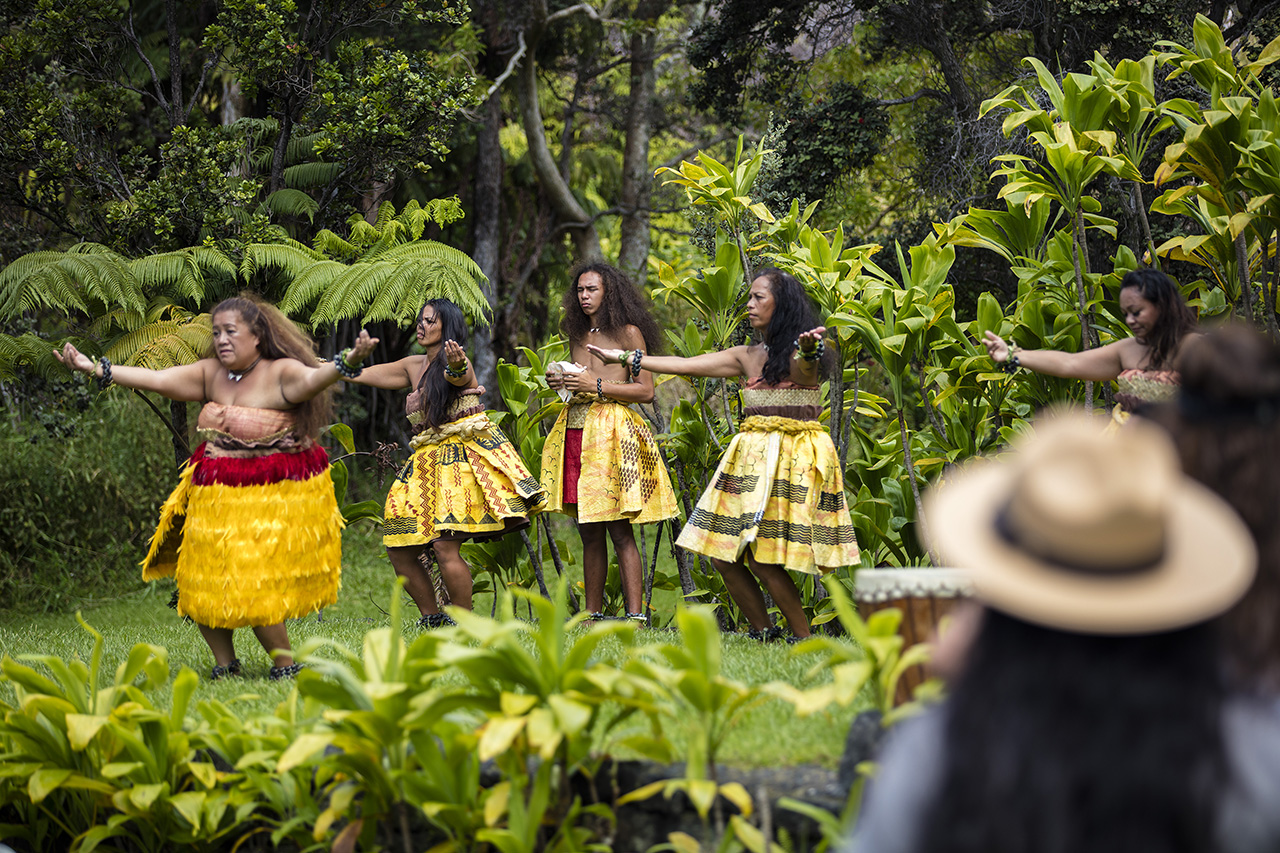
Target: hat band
1006 530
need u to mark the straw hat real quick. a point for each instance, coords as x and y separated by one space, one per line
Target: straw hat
1092 531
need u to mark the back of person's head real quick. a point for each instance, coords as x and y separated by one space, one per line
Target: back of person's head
1226 424
1087 716
1175 318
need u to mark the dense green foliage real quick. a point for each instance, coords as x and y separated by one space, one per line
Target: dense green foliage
82 493
384 739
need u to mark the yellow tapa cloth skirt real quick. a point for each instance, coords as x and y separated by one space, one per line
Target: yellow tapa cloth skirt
623 476
250 541
463 481
778 490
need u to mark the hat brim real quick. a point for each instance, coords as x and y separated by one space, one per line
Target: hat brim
1207 566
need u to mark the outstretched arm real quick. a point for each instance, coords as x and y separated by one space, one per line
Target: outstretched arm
299 382
718 365
1101 363
393 375
185 382
636 389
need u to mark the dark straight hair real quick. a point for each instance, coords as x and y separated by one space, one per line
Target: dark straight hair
437 391
1175 318
1070 743
793 313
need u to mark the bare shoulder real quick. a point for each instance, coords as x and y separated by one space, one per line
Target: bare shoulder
1131 352
632 338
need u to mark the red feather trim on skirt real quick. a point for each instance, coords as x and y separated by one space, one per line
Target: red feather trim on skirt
257 470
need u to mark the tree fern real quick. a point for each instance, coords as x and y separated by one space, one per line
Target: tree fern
311 175
292 202
29 352
334 246
162 344
310 284
289 258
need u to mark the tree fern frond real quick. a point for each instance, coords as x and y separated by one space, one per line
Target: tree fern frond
292 202
362 233
115 321
256 128
334 246
306 176
290 260
386 213
444 211
58 280
350 293
28 353
49 287
309 285
302 147
158 272
161 308
164 344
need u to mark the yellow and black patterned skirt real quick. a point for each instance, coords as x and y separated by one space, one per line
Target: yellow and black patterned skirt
778 491
470 484
250 541
621 473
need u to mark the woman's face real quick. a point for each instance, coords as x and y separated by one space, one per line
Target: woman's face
760 304
234 344
428 327
1140 315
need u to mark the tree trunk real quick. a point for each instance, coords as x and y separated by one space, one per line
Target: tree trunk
177 116
488 237
1245 305
1077 248
637 177
915 490
582 230
1141 204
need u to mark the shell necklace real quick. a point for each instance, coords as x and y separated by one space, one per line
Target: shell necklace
236 376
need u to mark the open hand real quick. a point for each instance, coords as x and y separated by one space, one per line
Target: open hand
75 360
996 347
363 347
808 341
454 355
608 356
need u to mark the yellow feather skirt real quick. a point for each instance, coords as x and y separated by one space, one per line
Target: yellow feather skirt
465 482
778 490
623 475
246 552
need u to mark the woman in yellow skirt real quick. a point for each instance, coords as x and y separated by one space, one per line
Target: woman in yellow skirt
464 480
252 533
776 502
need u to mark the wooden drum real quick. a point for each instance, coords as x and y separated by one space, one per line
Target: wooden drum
923 595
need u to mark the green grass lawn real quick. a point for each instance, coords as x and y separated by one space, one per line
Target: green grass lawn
768 735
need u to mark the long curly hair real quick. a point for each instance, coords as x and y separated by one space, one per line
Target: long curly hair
280 337
1063 743
1175 319
1226 425
793 313
437 392
623 305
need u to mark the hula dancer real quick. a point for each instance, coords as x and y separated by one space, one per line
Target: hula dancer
776 502
600 462
252 533
464 480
